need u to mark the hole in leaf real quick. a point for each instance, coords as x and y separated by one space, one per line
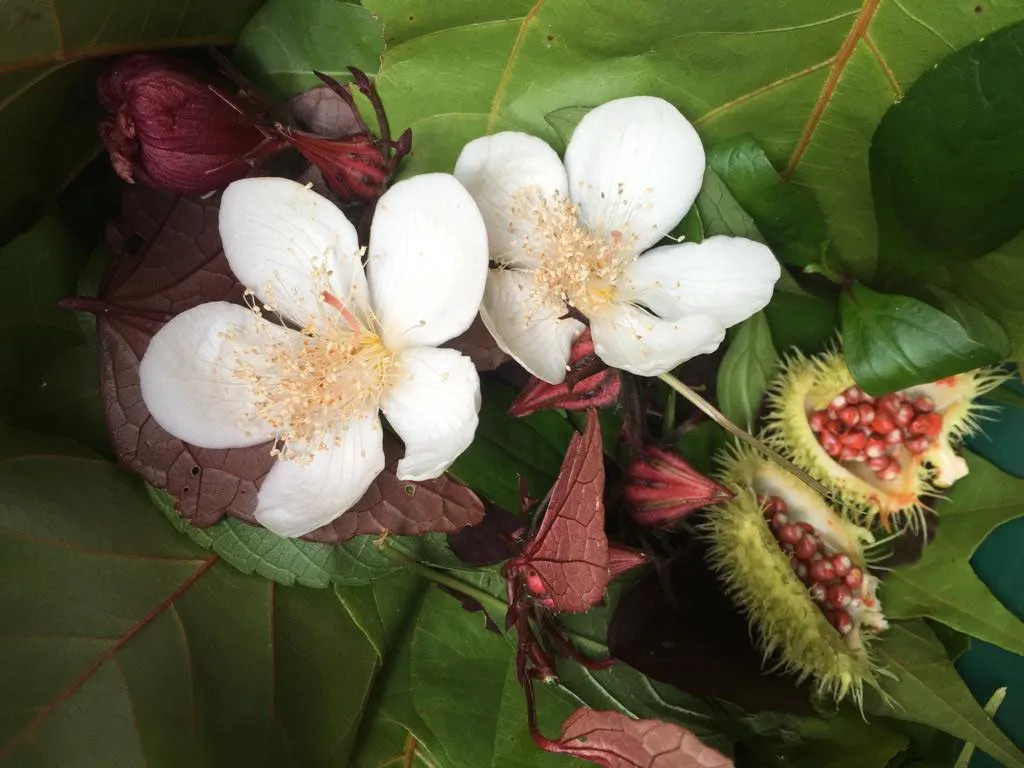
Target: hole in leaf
410 490
978 9
195 471
133 244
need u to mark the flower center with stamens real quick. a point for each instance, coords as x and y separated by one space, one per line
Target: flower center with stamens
310 383
575 267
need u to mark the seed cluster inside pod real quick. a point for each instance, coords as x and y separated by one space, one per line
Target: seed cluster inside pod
833 581
856 427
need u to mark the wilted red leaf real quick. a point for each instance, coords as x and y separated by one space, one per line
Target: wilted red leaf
497 538
613 740
168 259
566 562
479 346
588 384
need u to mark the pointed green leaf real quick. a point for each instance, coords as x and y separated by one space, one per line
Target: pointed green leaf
942 585
745 370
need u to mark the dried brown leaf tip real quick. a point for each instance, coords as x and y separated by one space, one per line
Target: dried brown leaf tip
589 383
661 488
613 740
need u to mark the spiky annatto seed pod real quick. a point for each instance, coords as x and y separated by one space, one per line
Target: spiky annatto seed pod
813 621
909 441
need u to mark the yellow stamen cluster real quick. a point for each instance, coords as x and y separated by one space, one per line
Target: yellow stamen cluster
308 384
575 267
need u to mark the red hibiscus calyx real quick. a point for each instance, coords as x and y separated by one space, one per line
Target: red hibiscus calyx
661 488
589 383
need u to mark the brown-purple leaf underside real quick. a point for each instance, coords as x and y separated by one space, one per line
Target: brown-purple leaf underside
167 258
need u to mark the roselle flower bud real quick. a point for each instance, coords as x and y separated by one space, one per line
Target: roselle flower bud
357 165
661 488
170 130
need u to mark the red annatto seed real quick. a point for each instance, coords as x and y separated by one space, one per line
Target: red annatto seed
831 444
904 415
854 578
883 423
848 454
889 403
836 426
841 621
801 571
805 548
818 420
841 564
817 592
924 404
852 395
875 447
778 505
878 463
839 401
850 416
779 519
807 528
891 472
918 444
838 596
894 437
822 571
789 534
855 440
867 413
929 424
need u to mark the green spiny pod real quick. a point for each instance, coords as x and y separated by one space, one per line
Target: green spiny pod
878 455
798 570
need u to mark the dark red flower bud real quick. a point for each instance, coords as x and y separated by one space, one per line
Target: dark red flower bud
171 130
622 559
662 488
588 384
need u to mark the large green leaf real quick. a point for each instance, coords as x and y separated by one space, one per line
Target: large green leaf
125 644
946 161
283 43
809 80
745 370
927 690
892 342
942 584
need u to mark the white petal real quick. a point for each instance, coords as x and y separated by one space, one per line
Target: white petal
298 497
506 173
433 407
728 278
428 261
188 381
629 338
635 166
530 333
276 232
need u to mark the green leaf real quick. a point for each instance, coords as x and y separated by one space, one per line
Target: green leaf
942 585
788 216
38 269
946 161
810 80
893 342
800 319
720 213
928 690
283 43
125 644
979 326
505 449
745 370
564 122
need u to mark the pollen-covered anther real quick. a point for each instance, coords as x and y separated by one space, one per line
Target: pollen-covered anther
576 267
307 384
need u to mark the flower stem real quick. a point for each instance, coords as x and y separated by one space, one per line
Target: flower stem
493 605
720 419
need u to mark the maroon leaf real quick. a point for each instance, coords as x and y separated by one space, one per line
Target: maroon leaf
479 346
622 559
662 488
566 562
613 740
168 259
495 539
588 384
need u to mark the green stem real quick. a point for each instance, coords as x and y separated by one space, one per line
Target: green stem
719 418
494 606
668 421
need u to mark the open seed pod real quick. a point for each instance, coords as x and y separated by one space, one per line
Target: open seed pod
878 455
798 570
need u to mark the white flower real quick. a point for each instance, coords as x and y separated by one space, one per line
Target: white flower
573 236
221 375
